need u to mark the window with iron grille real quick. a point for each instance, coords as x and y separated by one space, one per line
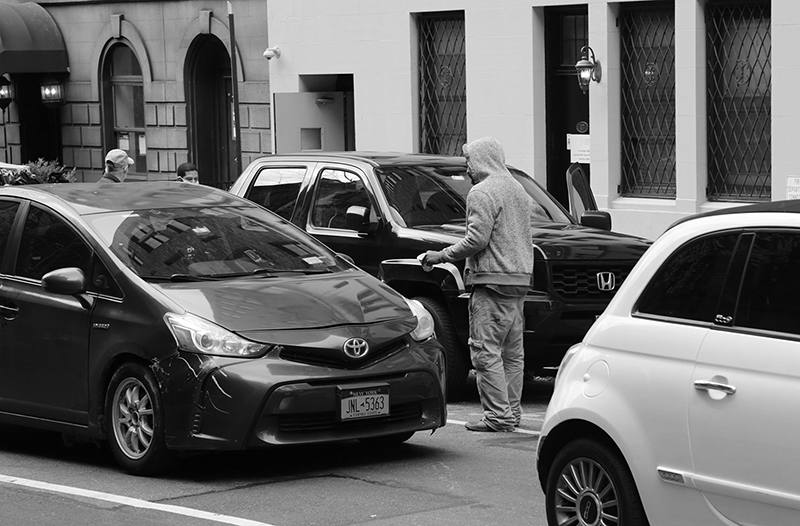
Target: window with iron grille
739 80
442 83
647 33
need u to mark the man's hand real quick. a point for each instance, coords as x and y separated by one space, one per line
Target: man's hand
429 259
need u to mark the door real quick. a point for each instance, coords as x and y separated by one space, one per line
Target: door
335 191
210 96
566 107
743 416
310 122
44 337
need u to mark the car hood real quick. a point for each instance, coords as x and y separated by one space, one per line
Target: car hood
307 302
562 241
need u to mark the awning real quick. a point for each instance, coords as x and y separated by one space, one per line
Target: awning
30 41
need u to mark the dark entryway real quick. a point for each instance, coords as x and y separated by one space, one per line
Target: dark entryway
40 126
567 107
209 100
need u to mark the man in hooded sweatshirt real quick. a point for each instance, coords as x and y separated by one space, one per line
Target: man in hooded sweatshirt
499 261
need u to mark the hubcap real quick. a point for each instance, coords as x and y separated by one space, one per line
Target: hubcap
586 496
133 418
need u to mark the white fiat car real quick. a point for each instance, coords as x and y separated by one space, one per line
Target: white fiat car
682 404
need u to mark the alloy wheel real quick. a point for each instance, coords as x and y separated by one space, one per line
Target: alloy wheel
133 418
585 495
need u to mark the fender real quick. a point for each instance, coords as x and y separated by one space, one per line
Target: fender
445 276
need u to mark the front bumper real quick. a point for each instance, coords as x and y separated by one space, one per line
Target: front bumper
227 403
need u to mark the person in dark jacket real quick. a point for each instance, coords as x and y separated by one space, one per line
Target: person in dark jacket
117 163
499 261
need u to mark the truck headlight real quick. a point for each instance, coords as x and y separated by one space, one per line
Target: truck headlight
424 329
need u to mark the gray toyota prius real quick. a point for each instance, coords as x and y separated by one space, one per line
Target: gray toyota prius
170 316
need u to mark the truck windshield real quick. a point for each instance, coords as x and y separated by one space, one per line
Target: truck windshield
421 195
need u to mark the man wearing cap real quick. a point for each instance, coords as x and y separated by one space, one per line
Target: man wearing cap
117 163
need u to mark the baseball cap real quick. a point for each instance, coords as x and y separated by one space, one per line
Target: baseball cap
118 157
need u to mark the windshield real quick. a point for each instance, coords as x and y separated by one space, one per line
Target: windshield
437 195
186 243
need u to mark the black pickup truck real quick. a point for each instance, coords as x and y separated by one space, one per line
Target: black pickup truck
383 209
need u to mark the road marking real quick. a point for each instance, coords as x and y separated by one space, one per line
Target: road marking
127 501
517 430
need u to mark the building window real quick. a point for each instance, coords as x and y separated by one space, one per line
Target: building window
739 80
442 83
648 99
123 105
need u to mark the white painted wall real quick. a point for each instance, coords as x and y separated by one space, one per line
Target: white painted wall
375 41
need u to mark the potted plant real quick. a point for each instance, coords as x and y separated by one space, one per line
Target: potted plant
38 172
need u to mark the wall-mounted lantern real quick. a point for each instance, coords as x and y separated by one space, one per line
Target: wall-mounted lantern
52 92
6 92
588 68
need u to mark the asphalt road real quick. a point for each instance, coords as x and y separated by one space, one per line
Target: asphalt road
451 478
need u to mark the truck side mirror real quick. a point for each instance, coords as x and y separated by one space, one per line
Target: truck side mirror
357 218
596 219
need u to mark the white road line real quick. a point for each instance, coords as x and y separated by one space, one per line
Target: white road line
518 430
127 501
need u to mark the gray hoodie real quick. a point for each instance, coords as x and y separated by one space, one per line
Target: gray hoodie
497 246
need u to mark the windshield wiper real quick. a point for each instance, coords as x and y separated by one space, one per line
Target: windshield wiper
181 278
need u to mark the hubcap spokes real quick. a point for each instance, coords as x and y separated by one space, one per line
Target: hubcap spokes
586 496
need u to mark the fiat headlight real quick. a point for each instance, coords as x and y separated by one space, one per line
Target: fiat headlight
424 329
195 334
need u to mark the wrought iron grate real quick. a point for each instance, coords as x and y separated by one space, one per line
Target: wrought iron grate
648 99
739 101
443 91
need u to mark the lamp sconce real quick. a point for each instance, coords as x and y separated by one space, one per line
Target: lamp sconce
322 101
52 92
6 92
272 52
588 68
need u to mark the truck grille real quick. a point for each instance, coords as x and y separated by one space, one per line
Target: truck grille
579 282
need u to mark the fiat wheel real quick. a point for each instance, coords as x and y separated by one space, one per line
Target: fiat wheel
590 485
135 421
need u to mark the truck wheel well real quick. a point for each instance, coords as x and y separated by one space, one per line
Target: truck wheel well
410 289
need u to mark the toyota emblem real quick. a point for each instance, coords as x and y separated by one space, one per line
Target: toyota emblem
356 347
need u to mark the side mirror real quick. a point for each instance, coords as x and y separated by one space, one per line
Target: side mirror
68 281
346 258
596 219
357 218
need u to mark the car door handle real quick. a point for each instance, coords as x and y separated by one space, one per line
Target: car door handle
708 385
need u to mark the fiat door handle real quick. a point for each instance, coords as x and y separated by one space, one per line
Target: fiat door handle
708 385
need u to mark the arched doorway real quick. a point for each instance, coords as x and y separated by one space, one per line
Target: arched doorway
209 100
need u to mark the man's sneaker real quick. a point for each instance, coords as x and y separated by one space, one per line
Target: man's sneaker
482 427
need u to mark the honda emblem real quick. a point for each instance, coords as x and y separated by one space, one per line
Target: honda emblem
606 281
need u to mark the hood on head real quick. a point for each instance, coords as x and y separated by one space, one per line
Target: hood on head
486 157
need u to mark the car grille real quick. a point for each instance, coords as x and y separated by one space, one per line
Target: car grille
579 282
336 358
325 421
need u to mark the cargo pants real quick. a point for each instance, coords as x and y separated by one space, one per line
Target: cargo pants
497 353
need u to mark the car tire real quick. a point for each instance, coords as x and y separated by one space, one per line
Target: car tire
588 478
457 359
387 440
134 421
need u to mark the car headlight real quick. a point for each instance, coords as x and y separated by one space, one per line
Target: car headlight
195 334
424 329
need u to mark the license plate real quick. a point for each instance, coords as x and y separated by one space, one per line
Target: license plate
363 401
